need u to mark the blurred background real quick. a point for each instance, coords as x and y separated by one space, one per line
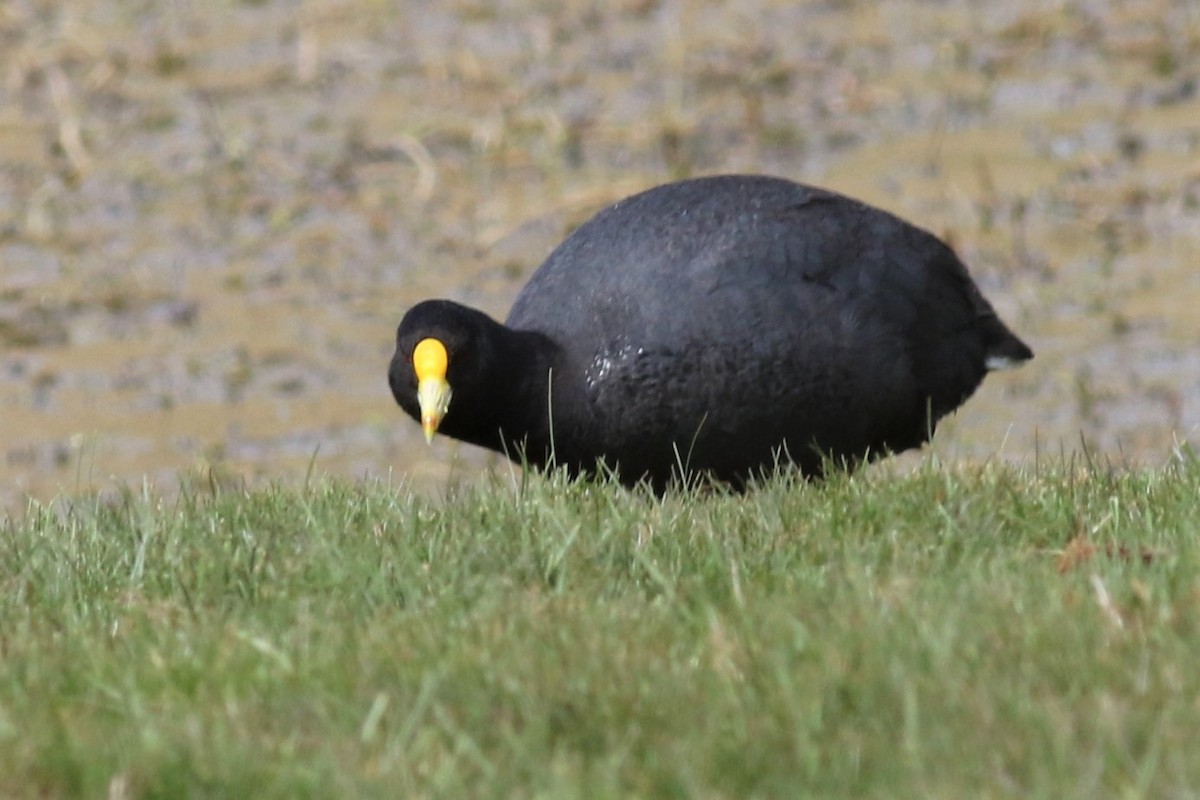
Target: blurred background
213 214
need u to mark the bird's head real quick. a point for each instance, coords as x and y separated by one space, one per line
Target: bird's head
440 344
498 375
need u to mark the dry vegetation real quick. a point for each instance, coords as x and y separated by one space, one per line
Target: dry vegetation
213 214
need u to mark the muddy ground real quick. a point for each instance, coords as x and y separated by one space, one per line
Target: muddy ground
212 215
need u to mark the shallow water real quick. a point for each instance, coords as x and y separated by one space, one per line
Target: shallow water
213 215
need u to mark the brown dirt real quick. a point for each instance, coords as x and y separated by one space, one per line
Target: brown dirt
213 214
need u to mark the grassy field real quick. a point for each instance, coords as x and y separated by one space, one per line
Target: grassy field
947 632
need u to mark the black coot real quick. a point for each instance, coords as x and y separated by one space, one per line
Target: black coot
721 325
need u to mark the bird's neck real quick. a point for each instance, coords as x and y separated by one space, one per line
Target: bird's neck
532 386
515 418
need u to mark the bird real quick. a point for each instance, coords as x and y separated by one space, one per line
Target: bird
723 327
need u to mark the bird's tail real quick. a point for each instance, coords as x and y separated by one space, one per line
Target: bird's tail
1004 350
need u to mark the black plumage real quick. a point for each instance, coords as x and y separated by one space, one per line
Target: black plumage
718 324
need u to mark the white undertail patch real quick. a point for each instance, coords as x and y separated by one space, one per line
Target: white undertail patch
1002 362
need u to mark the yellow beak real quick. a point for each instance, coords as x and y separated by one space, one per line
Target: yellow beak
433 395
433 390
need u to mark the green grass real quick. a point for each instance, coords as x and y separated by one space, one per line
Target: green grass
989 631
